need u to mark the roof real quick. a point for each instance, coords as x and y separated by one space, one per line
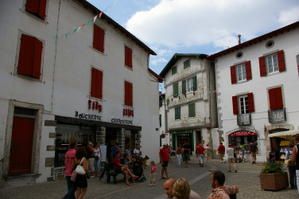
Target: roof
116 25
177 56
256 40
155 75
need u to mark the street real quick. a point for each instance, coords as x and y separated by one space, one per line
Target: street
199 178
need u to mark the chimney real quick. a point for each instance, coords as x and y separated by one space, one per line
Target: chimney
239 38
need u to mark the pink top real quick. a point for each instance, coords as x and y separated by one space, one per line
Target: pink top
69 159
153 168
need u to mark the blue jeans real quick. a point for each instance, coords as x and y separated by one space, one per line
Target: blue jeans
70 188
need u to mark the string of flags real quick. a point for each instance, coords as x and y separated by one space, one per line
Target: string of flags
87 23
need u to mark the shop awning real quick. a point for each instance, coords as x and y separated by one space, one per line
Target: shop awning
284 134
242 133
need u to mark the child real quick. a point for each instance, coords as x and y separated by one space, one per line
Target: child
153 173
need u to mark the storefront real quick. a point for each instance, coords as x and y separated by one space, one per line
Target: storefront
191 137
241 137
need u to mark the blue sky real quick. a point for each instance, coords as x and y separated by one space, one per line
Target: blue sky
197 26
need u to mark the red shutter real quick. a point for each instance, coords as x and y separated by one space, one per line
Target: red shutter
235 105
32 6
96 83
128 94
281 62
233 74
263 68
42 8
26 55
128 56
37 57
248 70
250 103
275 98
98 38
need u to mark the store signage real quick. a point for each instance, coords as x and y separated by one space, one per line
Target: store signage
87 116
119 121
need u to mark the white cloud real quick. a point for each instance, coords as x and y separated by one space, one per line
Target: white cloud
175 23
289 16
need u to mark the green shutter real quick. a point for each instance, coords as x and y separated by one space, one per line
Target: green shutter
175 87
173 70
177 113
194 83
191 108
184 87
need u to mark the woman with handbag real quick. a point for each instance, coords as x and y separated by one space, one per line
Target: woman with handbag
81 170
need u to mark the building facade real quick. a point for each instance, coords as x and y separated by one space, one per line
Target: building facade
190 100
88 84
256 83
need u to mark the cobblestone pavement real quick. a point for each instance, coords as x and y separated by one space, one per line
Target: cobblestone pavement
247 178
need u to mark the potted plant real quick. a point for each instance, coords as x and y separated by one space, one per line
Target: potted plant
273 177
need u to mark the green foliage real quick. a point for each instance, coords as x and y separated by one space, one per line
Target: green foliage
273 167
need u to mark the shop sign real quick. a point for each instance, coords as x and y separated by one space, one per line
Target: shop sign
87 116
119 121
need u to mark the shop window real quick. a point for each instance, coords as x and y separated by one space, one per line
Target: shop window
37 8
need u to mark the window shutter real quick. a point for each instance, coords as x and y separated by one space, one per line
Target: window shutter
250 103
32 6
248 70
184 87
128 56
233 74
128 94
175 89
42 8
26 55
281 62
96 83
235 105
98 38
194 83
275 98
263 68
37 57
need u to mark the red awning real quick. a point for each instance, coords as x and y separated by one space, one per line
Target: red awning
242 133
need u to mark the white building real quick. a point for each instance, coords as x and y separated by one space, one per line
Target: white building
94 84
257 83
164 135
190 100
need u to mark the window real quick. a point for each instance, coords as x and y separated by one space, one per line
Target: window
160 120
173 70
189 85
37 8
272 63
98 38
243 104
241 72
191 109
128 57
96 89
175 89
30 57
177 113
128 94
187 63
275 98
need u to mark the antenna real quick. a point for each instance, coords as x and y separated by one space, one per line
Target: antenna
239 38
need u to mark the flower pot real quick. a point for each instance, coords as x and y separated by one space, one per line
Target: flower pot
274 181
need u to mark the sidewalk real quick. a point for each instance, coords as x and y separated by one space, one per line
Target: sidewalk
247 179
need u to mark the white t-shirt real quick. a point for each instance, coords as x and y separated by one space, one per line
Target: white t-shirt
230 152
103 148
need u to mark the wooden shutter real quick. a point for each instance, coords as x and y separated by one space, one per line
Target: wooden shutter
233 74
32 6
42 8
275 98
281 62
128 56
128 94
263 68
98 38
184 87
250 103
175 89
26 55
194 79
96 83
248 70
37 57
235 105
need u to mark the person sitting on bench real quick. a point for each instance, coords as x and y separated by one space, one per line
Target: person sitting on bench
122 168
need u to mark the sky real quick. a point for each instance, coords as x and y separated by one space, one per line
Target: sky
197 26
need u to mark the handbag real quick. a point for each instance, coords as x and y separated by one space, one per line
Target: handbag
79 168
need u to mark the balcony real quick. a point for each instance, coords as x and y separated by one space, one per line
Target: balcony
277 116
244 119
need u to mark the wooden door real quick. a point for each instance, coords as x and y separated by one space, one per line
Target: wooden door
21 146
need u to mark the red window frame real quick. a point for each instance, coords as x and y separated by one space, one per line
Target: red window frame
96 88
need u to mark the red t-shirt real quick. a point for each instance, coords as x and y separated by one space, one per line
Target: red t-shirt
164 154
221 149
200 150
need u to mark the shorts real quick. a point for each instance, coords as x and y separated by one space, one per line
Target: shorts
165 164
